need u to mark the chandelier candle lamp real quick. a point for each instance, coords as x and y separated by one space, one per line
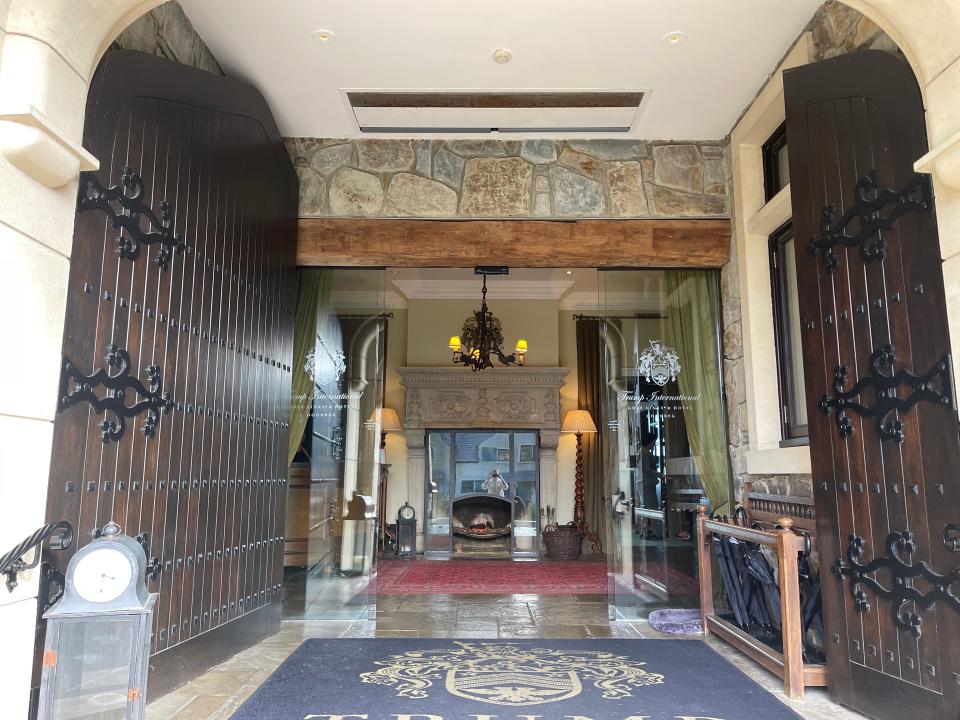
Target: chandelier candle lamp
580 422
482 335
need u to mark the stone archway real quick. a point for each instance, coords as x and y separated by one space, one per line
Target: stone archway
48 53
928 33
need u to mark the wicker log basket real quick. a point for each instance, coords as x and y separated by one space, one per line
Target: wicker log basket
562 542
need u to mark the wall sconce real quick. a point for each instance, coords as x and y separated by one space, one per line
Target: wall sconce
455 345
521 352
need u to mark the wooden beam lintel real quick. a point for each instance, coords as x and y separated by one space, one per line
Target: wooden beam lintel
646 243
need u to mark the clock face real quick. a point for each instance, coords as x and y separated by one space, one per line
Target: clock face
102 575
406 512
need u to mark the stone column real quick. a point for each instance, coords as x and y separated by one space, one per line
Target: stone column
549 439
416 472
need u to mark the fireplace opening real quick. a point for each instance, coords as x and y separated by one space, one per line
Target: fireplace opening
481 517
482 525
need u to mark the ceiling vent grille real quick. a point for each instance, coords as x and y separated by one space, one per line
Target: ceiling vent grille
492 112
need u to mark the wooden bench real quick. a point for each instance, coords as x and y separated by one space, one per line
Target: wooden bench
780 517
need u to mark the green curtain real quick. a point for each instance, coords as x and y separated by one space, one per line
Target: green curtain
313 299
692 299
590 391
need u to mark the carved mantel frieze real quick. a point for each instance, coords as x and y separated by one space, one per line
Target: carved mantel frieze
514 398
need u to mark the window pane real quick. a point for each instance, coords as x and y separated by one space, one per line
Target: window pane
437 526
793 349
526 510
96 688
783 167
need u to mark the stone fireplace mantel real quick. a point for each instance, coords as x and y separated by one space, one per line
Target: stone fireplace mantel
509 398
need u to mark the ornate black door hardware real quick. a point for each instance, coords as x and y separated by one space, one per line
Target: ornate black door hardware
51 588
154 567
123 205
903 590
152 401
886 389
867 219
951 537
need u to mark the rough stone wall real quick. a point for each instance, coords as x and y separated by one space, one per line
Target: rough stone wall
497 178
835 29
167 31
838 29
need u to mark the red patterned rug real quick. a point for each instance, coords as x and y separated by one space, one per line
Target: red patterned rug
490 577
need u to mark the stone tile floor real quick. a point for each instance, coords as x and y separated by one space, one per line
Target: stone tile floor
217 693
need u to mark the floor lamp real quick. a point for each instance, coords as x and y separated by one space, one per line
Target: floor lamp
580 422
389 421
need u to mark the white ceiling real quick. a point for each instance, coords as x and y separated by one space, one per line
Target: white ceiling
575 289
696 89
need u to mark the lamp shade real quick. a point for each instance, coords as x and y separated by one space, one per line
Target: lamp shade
578 421
388 419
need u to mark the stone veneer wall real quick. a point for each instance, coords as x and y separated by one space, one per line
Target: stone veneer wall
505 178
167 31
835 29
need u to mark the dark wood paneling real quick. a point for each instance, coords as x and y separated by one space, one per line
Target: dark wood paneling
208 489
495 100
336 242
847 119
172 668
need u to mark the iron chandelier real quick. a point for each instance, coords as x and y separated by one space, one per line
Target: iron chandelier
482 336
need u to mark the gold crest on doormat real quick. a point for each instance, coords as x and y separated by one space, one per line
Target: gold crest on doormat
512 675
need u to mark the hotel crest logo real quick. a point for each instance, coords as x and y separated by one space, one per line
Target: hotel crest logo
324 365
511 675
658 363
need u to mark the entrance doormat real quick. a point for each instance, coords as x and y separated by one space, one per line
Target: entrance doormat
380 679
490 577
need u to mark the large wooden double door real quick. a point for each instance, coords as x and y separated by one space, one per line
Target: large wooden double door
175 385
879 384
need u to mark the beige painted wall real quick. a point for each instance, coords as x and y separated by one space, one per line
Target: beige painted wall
396 450
418 337
432 322
567 448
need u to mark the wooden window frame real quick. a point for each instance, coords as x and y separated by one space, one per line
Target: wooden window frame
771 161
786 353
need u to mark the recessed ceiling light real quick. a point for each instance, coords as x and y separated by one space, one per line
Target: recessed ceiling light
677 37
322 35
501 56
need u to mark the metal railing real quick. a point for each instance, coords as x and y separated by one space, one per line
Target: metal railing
12 563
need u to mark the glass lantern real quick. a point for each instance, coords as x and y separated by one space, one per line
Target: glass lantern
97 649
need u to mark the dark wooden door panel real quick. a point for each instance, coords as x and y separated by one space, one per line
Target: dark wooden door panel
202 315
883 420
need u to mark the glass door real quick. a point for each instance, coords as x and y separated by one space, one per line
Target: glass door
526 491
664 430
437 535
343 366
